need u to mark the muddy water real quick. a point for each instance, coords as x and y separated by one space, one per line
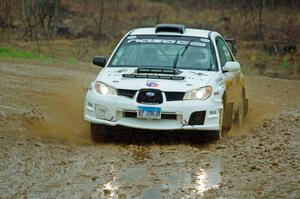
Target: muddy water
45 103
160 172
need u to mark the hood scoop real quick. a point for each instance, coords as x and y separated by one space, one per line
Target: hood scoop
169 71
156 73
153 76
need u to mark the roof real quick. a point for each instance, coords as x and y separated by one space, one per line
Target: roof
188 32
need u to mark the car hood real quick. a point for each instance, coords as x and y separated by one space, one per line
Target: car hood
192 79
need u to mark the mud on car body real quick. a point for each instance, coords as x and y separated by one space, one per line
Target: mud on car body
167 77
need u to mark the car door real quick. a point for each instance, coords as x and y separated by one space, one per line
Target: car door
230 78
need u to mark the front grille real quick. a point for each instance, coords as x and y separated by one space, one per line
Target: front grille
174 96
126 93
197 118
144 96
163 115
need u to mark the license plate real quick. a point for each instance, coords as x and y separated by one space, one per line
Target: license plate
149 112
101 112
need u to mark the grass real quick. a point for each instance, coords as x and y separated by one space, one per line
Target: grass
11 52
69 51
14 53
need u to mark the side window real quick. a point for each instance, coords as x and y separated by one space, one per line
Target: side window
223 51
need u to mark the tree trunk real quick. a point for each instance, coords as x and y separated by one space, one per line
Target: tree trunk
261 6
100 21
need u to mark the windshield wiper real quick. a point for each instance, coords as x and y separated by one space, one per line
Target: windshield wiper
177 54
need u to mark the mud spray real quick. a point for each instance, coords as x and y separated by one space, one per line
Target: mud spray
63 116
63 109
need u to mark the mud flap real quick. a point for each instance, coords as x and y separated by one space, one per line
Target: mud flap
227 116
245 105
245 102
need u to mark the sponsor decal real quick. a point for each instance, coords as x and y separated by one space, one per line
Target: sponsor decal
166 41
152 84
216 93
194 43
131 37
121 71
218 80
204 40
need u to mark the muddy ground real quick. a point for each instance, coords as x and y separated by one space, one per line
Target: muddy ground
46 151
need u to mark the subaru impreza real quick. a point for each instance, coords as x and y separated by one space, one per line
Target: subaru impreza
168 77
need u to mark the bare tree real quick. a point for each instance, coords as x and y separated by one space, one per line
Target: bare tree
27 19
260 10
6 16
6 13
99 21
38 18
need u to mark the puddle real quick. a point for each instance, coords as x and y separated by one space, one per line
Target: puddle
110 188
206 179
188 178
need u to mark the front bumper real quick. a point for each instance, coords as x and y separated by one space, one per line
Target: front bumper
113 111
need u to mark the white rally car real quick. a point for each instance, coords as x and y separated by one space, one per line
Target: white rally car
167 77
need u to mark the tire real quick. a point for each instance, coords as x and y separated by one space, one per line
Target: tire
99 132
215 135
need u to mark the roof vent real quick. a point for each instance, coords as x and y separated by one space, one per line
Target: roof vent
170 28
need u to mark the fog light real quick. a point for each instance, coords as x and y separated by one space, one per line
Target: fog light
101 112
197 118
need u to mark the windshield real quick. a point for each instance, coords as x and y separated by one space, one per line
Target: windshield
165 52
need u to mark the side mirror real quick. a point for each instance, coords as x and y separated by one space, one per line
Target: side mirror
232 66
99 61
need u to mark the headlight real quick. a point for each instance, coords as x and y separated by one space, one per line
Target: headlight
105 89
198 94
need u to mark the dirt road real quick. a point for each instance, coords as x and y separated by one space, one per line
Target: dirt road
46 151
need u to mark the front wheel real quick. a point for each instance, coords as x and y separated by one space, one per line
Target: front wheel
215 135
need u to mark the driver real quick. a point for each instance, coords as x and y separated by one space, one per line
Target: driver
195 58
